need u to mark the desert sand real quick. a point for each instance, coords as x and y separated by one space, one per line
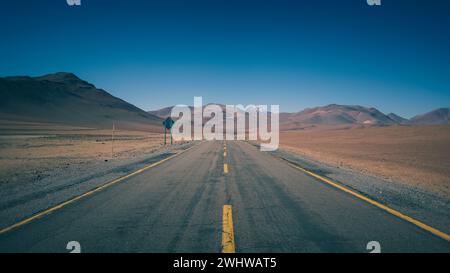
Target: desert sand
414 155
32 151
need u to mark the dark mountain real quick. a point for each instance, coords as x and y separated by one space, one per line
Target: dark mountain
166 112
65 98
398 119
438 116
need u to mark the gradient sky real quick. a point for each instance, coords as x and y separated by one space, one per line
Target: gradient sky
294 53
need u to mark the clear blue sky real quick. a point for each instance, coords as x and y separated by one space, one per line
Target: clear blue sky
294 53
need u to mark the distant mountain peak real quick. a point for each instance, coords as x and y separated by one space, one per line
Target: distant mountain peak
397 118
437 116
60 77
335 114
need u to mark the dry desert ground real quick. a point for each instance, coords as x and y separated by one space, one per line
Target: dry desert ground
414 155
30 152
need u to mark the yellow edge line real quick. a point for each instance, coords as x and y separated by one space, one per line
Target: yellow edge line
381 206
227 230
76 198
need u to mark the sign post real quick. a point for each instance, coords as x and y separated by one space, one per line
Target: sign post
168 123
112 139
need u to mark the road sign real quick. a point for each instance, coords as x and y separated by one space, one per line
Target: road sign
168 123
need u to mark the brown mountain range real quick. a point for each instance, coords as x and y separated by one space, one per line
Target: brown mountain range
64 98
345 115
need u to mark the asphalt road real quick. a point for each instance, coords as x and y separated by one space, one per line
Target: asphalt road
177 207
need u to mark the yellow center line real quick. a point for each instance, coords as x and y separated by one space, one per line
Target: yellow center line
227 230
76 198
225 168
381 206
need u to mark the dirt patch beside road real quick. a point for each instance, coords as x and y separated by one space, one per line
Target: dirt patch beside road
30 158
418 156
